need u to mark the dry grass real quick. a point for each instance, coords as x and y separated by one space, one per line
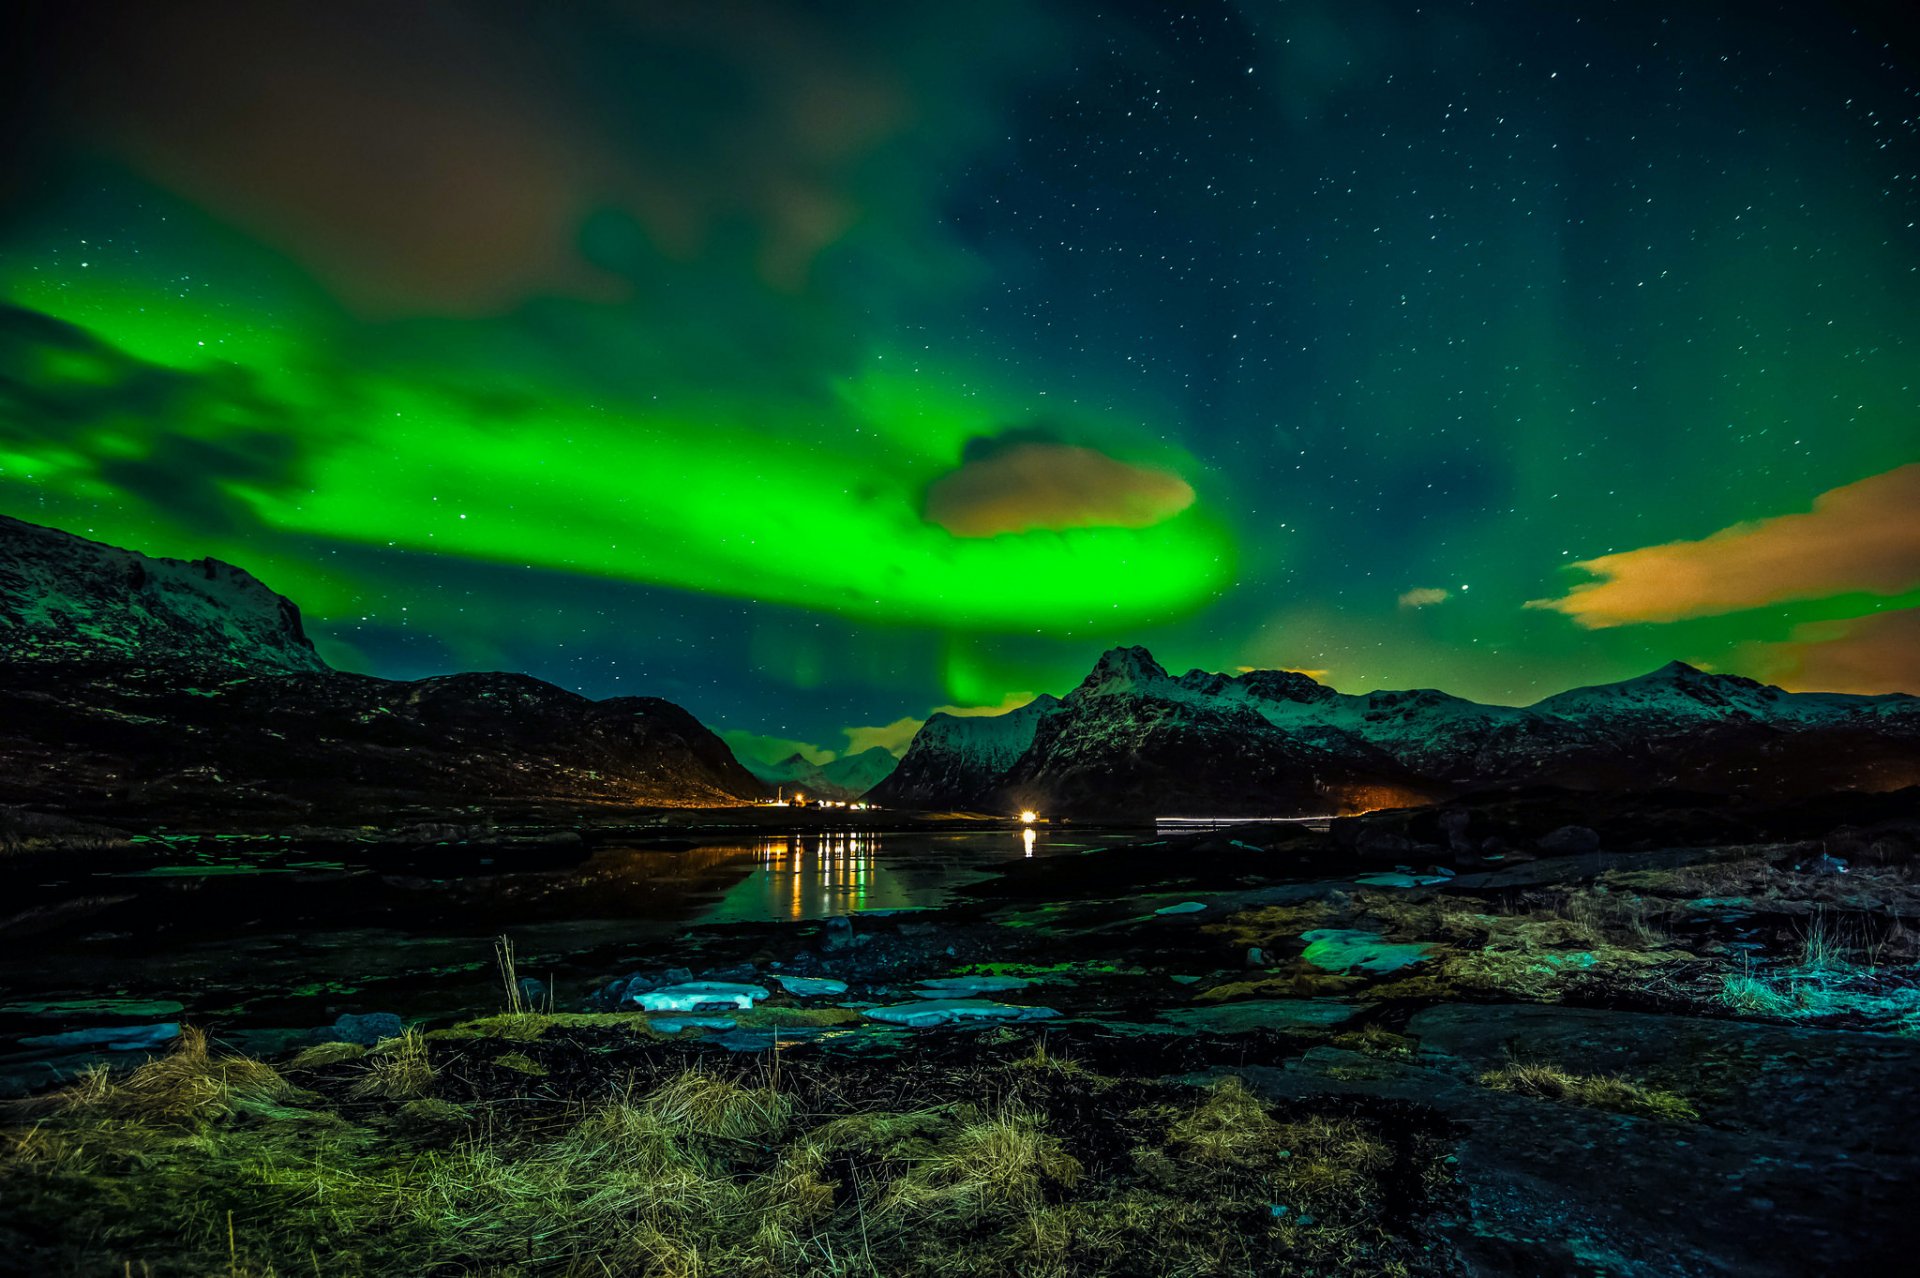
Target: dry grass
1602 1091
1034 1168
398 1069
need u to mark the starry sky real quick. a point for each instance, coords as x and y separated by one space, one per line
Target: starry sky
818 366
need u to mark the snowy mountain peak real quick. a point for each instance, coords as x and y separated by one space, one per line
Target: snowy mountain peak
1122 670
65 599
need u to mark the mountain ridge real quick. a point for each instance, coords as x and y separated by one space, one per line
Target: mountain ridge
1280 741
132 686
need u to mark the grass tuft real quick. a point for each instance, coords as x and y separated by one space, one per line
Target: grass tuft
1601 1091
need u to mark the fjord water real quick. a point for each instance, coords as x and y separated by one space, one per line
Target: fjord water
264 945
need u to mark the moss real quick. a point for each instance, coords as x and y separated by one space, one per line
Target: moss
794 1017
1376 1040
528 1027
1602 1091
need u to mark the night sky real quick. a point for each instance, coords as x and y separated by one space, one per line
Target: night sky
817 366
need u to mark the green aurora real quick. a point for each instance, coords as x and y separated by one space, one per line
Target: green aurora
1420 319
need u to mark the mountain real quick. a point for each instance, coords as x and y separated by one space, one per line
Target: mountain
1134 739
69 599
846 778
136 688
957 761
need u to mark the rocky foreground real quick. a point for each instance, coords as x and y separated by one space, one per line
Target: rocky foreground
1525 1037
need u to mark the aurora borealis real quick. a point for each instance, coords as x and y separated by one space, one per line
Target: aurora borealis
816 366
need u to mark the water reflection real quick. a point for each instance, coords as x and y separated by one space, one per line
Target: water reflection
1027 837
810 876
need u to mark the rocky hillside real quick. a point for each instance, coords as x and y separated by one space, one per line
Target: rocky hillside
1133 738
64 598
148 689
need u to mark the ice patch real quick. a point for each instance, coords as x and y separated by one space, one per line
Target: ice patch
1185 907
1341 950
1401 880
124 1038
937 1012
691 996
674 1024
809 986
969 986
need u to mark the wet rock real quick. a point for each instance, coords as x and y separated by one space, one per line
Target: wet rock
364 1028
1569 840
534 993
837 934
1256 957
933 1013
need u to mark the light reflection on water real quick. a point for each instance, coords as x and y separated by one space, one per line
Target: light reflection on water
811 876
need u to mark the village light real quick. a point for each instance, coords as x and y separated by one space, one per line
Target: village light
1029 817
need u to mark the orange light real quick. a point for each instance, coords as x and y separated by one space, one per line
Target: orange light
1029 817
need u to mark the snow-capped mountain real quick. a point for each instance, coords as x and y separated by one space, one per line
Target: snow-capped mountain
137 689
957 761
64 598
1132 736
845 778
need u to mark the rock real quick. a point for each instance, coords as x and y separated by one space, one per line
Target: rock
1184 907
1569 840
1261 1014
691 996
837 934
1344 950
107 1038
1375 843
937 1012
1256 957
534 993
809 986
365 1028
1454 824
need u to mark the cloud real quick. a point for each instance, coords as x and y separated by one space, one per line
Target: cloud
1425 596
1875 653
892 737
1860 537
1035 484
765 749
896 736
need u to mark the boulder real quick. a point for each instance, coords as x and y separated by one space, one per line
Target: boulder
1569 840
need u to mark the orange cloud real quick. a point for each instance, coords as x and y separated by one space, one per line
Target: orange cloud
896 736
1860 537
1035 485
1876 653
1425 596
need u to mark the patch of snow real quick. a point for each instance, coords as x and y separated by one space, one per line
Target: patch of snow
691 996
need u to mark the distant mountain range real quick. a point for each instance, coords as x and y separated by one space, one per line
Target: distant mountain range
168 690
188 691
845 779
1133 739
